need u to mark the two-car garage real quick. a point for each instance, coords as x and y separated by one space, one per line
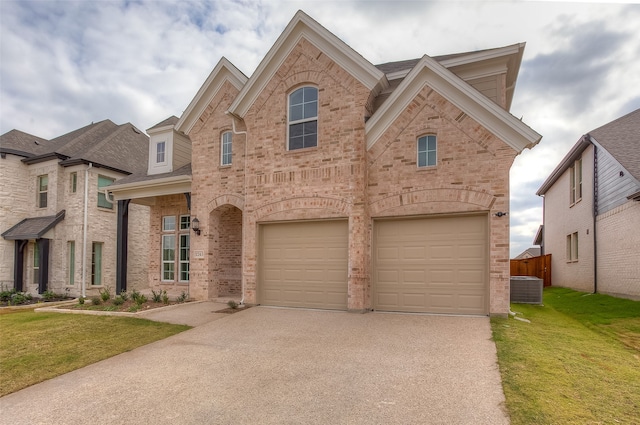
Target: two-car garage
426 265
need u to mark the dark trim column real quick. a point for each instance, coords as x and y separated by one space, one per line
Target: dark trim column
122 245
43 275
188 196
18 265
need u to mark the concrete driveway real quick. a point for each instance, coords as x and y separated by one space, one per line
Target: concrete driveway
285 366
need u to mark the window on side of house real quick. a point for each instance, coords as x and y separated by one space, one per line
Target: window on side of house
161 152
575 182
572 247
96 263
36 263
226 144
102 198
43 188
171 235
184 257
303 118
73 182
427 151
71 248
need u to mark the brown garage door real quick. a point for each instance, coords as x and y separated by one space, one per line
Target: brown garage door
431 265
304 264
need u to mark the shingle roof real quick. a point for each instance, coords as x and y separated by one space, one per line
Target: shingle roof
185 170
172 120
24 144
33 228
120 147
621 138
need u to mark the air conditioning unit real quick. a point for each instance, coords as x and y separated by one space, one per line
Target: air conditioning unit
526 289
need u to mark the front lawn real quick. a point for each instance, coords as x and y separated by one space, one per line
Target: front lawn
38 346
577 362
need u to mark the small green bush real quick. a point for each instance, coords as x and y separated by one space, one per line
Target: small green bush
156 296
232 304
183 297
118 300
96 301
165 297
124 295
140 299
49 295
81 300
105 294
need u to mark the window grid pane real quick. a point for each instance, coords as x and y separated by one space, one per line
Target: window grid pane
226 148
185 222
184 257
303 118
427 151
168 257
168 223
43 187
160 150
102 199
96 264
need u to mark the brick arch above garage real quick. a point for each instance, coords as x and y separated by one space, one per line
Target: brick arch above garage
293 209
430 201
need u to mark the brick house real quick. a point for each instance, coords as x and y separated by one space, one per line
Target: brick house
592 211
324 181
53 209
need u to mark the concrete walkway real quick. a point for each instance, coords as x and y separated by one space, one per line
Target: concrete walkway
285 366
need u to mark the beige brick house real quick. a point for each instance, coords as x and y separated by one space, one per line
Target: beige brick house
58 226
324 181
592 214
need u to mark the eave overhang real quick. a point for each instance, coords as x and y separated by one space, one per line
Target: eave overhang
151 188
303 26
428 72
564 165
222 72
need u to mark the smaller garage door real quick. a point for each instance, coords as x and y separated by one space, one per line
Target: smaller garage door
304 264
431 265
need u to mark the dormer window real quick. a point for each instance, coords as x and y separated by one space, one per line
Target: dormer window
160 152
303 118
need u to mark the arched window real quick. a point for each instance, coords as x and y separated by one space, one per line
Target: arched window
303 118
427 151
226 142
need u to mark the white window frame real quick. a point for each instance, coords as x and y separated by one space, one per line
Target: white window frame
102 198
427 151
575 182
304 119
175 249
73 182
42 192
96 263
162 152
226 148
572 247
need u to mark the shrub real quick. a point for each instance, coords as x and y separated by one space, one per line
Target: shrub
140 299
124 295
183 297
49 295
232 304
118 300
165 297
156 296
96 301
81 300
105 294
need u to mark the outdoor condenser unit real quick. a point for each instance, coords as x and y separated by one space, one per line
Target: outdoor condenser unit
526 289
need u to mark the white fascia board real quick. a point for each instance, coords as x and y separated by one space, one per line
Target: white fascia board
303 26
150 188
473 103
484 55
163 129
223 71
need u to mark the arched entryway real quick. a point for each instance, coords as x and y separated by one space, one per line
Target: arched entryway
225 246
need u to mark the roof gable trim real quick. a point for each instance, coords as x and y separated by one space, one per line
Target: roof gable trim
479 107
303 26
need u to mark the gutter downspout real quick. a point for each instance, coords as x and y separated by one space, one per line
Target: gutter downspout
233 128
595 214
84 230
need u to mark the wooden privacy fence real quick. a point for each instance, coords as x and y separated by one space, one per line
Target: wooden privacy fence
535 266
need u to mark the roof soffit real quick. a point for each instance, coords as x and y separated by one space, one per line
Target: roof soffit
222 72
479 107
303 26
151 188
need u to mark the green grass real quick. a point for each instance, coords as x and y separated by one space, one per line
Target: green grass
38 346
577 362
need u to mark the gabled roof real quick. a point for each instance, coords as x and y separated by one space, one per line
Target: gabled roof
33 228
19 143
223 71
479 107
121 148
141 185
620 137
303 26
169 122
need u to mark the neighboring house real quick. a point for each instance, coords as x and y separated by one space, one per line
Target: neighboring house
58 225
528 253
592 211
324 181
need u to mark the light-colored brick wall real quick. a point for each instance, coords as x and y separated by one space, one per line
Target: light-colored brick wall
471 175
618 241
562 219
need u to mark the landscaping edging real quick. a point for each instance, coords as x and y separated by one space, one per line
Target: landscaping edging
112 313
51 304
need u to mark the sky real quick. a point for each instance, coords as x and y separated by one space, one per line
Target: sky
65 64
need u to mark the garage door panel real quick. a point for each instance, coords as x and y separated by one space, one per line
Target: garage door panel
304 264
440 267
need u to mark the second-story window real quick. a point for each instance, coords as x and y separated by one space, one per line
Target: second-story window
43 188
427 151
160 152
303 118
575 182
225 148
102 198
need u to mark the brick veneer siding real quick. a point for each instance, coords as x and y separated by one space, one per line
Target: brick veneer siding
562 219
618 251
